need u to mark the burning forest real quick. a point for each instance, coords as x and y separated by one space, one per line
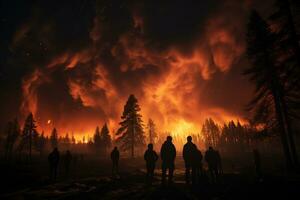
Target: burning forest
119 84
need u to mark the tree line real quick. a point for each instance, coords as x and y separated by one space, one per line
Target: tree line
28 140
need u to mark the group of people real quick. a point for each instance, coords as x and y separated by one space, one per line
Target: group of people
192 157
54 159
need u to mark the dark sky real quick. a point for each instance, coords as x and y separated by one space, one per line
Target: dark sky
76 62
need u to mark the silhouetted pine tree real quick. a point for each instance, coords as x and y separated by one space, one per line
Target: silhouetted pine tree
41 143
105 138
97 140
29 133
12 133
73 140
152 131
267 105
54 138
67 141
131 133
288 59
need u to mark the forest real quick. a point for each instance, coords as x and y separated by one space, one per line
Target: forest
150 100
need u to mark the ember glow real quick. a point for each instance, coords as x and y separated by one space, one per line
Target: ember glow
78 76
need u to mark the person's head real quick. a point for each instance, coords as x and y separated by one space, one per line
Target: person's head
150 146
169 139
116 148
210 148
55 149
189 138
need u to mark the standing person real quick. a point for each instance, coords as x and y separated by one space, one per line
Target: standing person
212 161
219 161
168 155
115 155
67 162
197 165
188 153
53 159
150 157
257 163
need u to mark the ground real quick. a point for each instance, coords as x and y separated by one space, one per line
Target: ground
90 179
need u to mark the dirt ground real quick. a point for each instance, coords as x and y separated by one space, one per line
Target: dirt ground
91 179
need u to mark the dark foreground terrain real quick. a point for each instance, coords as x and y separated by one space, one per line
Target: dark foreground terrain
90 179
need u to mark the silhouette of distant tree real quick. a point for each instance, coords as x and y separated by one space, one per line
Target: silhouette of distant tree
268 103
73 140
151 131
105 138
66 141
12 133
41 143
29 133
236 137
97 140
54 138
211 132
131 133
91 145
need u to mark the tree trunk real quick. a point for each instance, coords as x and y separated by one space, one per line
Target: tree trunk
282 131
30 144
289 133
132 140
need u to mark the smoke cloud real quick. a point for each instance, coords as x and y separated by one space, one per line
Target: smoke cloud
76 64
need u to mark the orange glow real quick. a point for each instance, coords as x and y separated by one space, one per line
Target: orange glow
172 96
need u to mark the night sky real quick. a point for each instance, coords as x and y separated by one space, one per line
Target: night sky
76 62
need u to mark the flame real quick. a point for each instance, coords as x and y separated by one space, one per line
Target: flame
170 86
181 127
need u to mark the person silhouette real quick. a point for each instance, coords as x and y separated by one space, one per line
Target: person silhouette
188 153
53 159
211 158
150 157
115 155
257 163
197 165
168 155
67 161
219 163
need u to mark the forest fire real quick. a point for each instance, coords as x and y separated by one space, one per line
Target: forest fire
86 83
135 99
